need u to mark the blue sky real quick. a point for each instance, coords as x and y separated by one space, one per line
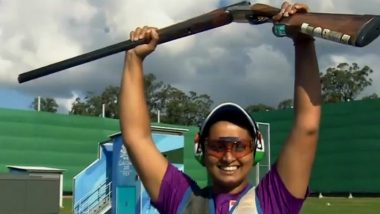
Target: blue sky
14 99
236 63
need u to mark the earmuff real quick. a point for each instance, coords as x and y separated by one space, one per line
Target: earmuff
258 154
259 147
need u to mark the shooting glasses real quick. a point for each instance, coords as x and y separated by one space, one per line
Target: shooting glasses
236 146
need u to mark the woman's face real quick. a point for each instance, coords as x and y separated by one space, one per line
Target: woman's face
228 171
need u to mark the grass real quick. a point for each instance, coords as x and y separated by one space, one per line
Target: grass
313 205
67 206
327 205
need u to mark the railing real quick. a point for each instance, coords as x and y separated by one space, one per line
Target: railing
95 201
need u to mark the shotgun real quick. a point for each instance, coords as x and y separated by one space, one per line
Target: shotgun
349 29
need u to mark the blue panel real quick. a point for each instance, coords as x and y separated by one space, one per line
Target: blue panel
167 142
94 175
123 172
124 175
125 200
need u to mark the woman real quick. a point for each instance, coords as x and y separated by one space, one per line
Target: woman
228 141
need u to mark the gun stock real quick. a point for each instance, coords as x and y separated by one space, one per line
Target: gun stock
356 30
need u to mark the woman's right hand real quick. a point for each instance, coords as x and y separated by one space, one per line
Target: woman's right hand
149 34
288 9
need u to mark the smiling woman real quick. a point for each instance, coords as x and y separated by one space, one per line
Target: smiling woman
230 158
228 145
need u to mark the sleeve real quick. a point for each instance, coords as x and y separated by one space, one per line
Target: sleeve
274 197
173 187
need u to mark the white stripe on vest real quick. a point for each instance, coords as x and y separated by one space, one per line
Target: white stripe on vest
247 203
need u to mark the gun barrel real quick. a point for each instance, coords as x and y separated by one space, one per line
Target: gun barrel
78 60
192 26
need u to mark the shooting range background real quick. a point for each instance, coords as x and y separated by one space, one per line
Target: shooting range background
52 140
348 150
347 158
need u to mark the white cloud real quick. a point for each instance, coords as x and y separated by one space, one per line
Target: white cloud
264 65
238 59
65 104
37 33
125 16
6 66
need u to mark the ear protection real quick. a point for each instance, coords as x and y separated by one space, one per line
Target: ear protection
259 147
258 154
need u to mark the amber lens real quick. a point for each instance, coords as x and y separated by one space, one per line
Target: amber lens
238 147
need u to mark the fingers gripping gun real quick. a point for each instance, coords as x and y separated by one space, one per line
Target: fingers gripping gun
356 30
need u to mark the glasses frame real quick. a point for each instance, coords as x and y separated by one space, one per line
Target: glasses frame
229 145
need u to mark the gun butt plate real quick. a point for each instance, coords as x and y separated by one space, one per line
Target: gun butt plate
369 32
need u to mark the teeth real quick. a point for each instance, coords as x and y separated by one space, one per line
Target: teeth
229 168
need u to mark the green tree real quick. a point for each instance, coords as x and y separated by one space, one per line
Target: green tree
109 98
344 82
176 103
258 107
46 104
175 106
186 109
79 107
92 105
371 97
201 106
155 93
285 104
